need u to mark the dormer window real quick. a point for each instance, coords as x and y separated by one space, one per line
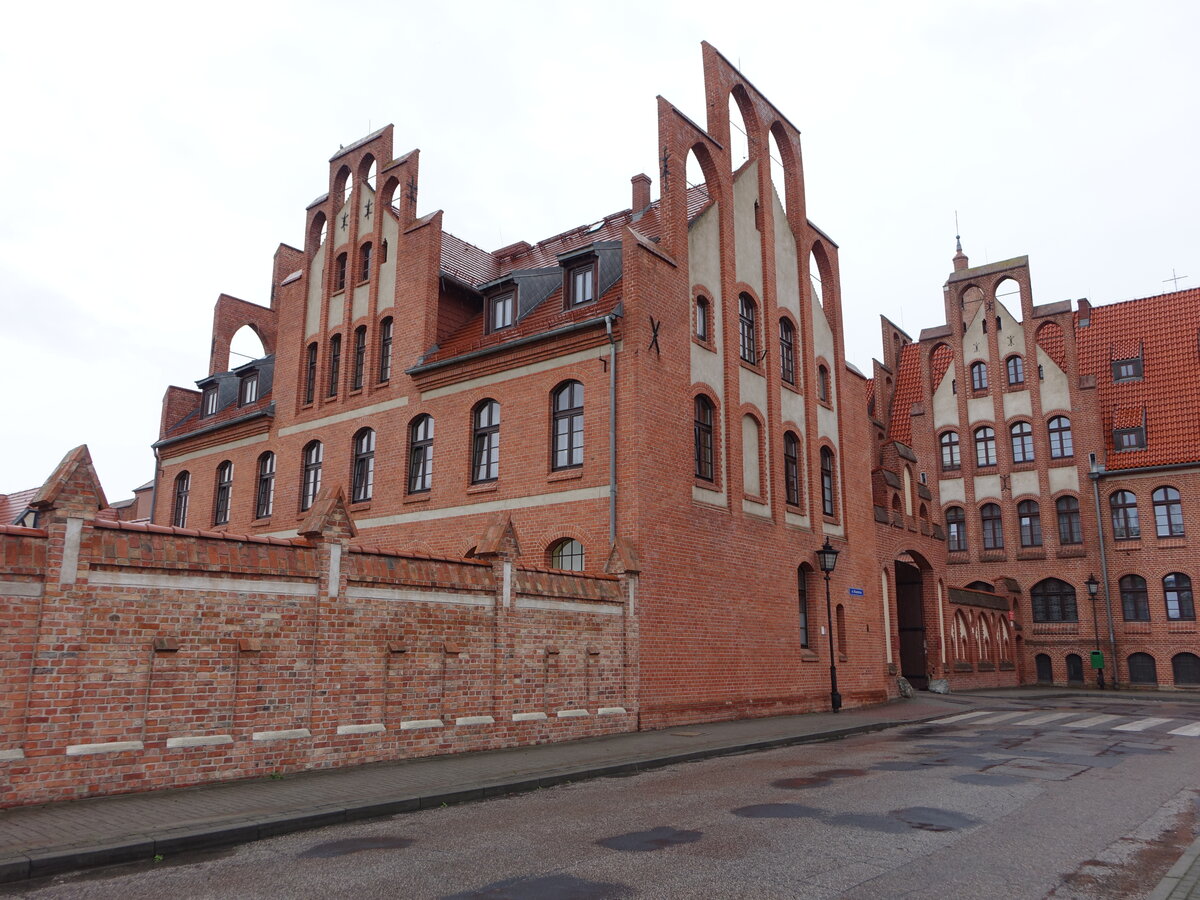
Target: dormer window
1127 369
500 311
1129 438
580 284
208 401
247 388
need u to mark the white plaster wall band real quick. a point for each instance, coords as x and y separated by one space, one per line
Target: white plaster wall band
489 506
202 583
335 570
211 451
285 735
402 595
529 717
198 740
571 713
108 747
414 724
8 755
347 416
373 728
21 588
474 720
600 607
70 558
611 711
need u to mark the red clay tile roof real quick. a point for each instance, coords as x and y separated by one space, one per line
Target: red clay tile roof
1167 328
13 506
1050 338
908 392
942 359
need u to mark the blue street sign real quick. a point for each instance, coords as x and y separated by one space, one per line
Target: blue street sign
856 592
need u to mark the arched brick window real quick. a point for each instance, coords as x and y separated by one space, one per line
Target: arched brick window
179 509
703 438
1061 443
385 349
828 504
360 358
1123 505
1168 512
1053 600
567 413
1177 592
748 329
567 554
787 351
264 494
420 454
956 529
362 478
1135 603
791 468
485 445
1029 517
1070 531
310 481
223 494
951 460
993 527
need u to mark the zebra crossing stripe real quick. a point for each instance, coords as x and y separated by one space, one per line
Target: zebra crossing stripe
1002 717
1091 722
1141 724
1044 718
1192 730
960 717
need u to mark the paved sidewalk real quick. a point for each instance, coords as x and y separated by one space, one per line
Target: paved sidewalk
59 837
1182 881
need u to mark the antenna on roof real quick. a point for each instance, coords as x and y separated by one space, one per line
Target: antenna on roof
1175 278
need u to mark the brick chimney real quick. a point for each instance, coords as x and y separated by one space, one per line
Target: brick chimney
641 192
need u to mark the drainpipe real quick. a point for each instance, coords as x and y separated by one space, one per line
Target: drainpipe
612 430
1094 475
154 490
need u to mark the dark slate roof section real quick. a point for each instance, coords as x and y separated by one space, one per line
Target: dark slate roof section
227 384
14 505
534 286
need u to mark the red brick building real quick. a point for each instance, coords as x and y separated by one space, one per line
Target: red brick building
671 375
1056 446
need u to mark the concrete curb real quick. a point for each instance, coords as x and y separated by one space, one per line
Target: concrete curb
144 847
1182 879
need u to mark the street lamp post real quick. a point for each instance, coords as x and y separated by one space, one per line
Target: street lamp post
1093 588
827 559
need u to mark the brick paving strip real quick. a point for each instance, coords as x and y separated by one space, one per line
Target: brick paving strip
1182 881
60 837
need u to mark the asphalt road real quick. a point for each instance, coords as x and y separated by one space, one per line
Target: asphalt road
990 806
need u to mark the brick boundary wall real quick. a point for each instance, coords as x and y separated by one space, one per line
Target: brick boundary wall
139 657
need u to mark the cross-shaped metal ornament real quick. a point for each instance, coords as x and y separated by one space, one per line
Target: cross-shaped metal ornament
654 326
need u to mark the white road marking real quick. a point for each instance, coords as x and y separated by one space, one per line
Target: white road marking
960 717
1044 718
1002 717
1192 730
1141 724
1091 722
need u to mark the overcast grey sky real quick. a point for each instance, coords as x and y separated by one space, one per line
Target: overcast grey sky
156 154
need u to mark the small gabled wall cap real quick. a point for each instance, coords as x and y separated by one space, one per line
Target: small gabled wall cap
499 539
73 485
328 518
622 559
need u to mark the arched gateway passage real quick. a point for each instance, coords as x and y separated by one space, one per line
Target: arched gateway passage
910 620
